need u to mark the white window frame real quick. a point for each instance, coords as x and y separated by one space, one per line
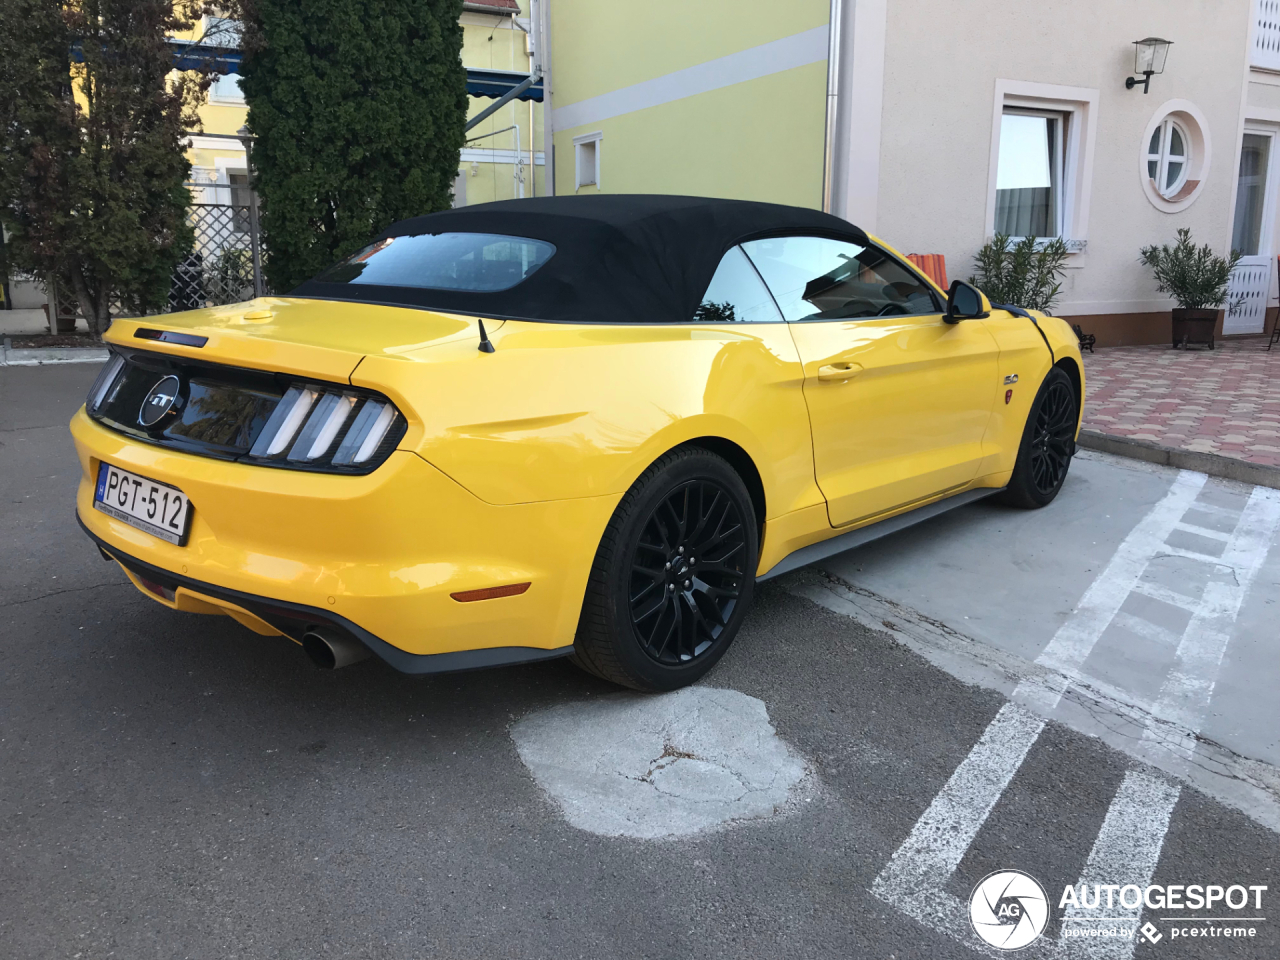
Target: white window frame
1199 148
1271 186
578 142
1078 107
1162 156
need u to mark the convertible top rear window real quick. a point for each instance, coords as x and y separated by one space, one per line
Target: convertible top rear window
468 262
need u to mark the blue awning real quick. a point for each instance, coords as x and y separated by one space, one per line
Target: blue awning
198 56
220 59
495 83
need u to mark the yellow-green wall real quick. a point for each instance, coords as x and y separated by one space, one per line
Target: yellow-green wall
760 139
494 43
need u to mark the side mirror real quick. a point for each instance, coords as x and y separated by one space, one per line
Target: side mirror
966 302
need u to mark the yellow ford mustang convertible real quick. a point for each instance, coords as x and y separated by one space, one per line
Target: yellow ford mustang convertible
578 426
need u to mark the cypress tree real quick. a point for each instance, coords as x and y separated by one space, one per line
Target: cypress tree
358 108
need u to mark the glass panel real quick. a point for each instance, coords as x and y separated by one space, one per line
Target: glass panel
737 294
1152 168
814 278
1153 147
473 262
222 414
1246 233
226 87
1172 174
1026 187
1175 143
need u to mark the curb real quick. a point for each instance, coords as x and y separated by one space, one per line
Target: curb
39 356
1213 464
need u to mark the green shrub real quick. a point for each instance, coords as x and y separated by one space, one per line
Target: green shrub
359 109
1196 277
92 157
1024 274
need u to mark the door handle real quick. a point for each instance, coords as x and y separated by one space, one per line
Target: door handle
839 371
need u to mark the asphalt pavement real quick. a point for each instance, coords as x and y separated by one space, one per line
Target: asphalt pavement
917 715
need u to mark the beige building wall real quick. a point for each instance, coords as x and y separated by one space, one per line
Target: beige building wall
943 69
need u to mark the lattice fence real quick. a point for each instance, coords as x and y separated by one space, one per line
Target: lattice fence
220 268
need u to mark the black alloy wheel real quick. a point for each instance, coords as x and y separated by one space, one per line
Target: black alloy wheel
1053 439
673 575
1048 444
686 571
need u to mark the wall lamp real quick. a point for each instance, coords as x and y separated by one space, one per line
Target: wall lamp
1149 56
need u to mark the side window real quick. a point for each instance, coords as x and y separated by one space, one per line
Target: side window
736 293
814 278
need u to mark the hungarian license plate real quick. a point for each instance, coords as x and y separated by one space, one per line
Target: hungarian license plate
149 505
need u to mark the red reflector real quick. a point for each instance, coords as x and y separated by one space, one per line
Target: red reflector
155 588
491 593
1008 395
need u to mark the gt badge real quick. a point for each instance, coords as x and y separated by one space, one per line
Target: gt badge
159 401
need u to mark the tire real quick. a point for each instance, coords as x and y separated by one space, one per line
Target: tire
1048 444
651 619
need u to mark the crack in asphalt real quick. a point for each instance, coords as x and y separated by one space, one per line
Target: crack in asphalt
57 593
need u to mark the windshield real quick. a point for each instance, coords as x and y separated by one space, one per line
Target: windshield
470 262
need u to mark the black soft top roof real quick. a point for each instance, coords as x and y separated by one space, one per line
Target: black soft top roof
620 258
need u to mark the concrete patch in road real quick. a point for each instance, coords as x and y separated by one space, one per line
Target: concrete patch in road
631 765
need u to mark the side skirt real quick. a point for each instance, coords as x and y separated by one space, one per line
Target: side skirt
872 531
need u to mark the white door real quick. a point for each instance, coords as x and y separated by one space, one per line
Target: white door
1252 280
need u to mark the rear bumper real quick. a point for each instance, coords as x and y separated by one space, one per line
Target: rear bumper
376 556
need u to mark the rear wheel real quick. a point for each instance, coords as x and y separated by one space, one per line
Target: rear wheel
1048 444
673 575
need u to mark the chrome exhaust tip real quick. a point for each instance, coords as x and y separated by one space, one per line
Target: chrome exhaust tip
330 650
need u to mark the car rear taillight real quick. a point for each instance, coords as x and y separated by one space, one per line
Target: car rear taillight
106 380
318 426
250 416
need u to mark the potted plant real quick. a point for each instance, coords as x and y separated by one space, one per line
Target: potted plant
1197 278
1025 274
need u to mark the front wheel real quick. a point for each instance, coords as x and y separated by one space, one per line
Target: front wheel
673 575
1048 444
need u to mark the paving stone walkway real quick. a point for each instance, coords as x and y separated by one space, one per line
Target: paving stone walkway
1224 401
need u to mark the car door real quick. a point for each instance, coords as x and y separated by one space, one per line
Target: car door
899 400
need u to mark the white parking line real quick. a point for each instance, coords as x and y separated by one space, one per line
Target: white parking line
1172 597
1204 532
1145 628
1187 690
1126 852
940 838
914 881
1075 639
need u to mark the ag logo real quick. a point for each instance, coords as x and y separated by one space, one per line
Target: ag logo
159 401
1008 909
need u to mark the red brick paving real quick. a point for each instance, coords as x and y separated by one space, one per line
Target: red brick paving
1224 401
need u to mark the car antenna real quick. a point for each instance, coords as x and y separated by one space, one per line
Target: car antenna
486 345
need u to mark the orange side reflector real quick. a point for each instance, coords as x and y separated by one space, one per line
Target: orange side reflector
491 593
